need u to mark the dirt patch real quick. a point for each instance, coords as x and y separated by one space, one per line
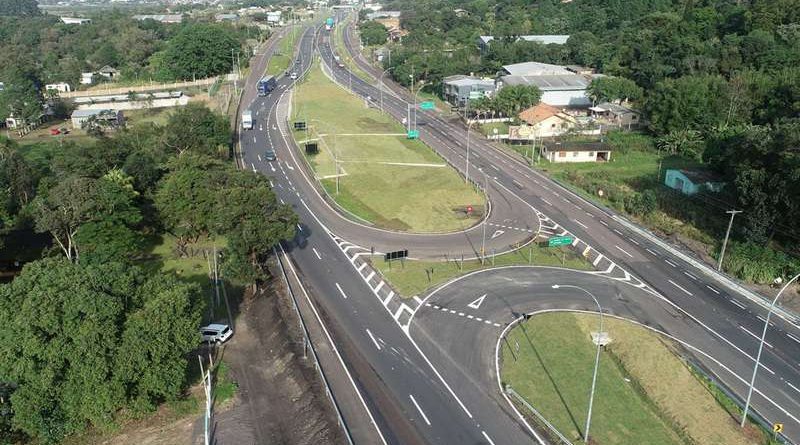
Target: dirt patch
280 399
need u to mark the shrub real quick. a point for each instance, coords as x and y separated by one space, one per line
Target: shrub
758 263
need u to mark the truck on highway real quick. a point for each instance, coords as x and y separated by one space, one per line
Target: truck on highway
266 85
247 120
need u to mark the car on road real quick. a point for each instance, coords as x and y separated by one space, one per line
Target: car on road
270 155
293 76
216 333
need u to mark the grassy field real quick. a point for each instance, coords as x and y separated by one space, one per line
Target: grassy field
413 277
386 179
282 57
488 129
645 393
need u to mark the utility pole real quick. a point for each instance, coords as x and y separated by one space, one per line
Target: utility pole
727 234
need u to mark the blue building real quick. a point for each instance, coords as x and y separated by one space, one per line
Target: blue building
690 182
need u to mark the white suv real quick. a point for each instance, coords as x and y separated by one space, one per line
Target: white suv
216 333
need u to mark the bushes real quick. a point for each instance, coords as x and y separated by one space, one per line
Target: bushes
758 263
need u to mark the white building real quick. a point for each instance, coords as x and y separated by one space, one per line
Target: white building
113 117
561 152
274 17
163 18
87 78
75 20
568 90
484 41
61 87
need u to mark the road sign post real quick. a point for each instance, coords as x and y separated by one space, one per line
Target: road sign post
557 241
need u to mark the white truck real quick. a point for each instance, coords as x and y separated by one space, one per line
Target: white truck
247 120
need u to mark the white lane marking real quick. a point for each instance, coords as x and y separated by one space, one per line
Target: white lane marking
488 439
623 251
282 201
793 337
497 233
477 303
689 275
736 303
546 201
379 286
580 223
299 228
253 166
603 223
651 252
671 263
272 167
633 241
369 277
340 290
679 287
361 267
712 289
793 387
754 336
259 158
424 417
316 253
372 337
764 320
617 231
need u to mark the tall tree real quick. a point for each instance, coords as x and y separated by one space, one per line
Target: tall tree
199 51
196 129
19 8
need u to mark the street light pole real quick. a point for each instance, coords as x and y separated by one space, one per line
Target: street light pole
596 358
761 348
727 234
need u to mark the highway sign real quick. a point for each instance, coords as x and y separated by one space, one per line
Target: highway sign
560 241
777 428
412 134
329 21
428 105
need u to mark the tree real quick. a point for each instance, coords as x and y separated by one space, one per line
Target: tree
511 100
19 8
17 183
373 33
688 143
614 89
21 95
690 102
198 51
195 128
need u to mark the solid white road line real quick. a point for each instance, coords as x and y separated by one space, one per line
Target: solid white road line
623 251
340 290
316 253
736 303
793 387
754 335
679 287
378 346
793 337
712 289
424 417
580 223
488 439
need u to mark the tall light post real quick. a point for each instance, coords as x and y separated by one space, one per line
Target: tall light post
596 357
761 348
727 234
421 85
381 86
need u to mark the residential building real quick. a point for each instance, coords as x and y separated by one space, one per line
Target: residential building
75 20
578 69
108 72
547 121
561 152
559 90
87 78
690 182
383 15
459 89
61 87
534 69
485 41
228 17
113 117
274 17
615 114
163 18
396 34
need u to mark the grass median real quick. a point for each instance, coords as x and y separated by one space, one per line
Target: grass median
282 58
645 392
412 278
383 178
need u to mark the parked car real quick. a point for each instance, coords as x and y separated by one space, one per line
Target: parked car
216 333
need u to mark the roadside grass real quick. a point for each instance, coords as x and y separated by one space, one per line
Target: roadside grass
412 277
488 128
282 58
224 385
645 392
344 54
424 195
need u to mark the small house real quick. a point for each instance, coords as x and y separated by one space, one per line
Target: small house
108 72
114 118
615 114
459 89
547 121
61 87
87 78
75 21
690 182
561 152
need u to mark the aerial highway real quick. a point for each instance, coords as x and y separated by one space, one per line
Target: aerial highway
400 352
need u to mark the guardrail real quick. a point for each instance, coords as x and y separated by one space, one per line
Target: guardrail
539 417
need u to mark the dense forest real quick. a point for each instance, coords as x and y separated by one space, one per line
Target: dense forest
718 80
96 325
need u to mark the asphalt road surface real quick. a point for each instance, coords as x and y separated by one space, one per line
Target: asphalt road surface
407 389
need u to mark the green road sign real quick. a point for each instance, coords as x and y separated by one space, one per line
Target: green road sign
560 241
412 134
427 105
329 21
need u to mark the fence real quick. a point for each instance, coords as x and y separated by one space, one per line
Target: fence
553 432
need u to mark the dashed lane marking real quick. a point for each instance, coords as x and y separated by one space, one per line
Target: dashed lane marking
690 275
754 336
623 251
316 253
679 287
736 303
340 290
422 413
580 223
375 342
712 289
793 337
671 263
